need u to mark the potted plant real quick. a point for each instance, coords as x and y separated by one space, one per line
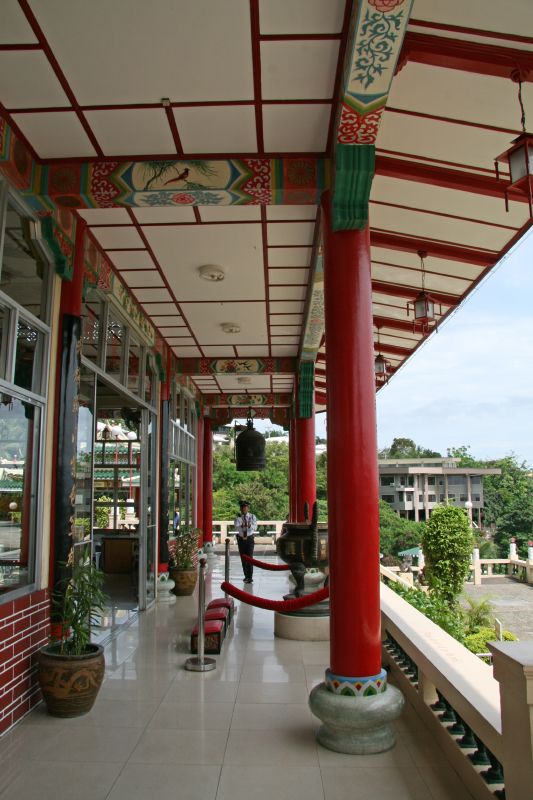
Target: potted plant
71 669
183 560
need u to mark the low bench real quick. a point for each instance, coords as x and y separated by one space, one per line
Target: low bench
214 636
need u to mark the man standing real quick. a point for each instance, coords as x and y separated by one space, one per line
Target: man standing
246 527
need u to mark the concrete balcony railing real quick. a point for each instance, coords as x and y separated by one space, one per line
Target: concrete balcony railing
269 530
479 717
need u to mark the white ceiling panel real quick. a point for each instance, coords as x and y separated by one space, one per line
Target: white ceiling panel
291 212
157 309
230 213
15 27
105 216
132 131
296 128
285 340
122 236
131 259
512 18
28 81
152 295
237 248
169 320
448 142
142 277
217 129
206 320
217 352
285 319
290 233
292 70
193 54
438 227
286 307
289 256
285 330
54 135
276 276
301 16
164 214
284 350
230 383
245 351
187 352
402 258
287 293
433 90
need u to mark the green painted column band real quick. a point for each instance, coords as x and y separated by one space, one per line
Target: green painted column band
354 172
306 389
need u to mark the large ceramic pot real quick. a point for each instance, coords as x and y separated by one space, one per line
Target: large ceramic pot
185 580
70 683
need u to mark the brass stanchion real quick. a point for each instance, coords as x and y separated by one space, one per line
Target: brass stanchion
200 663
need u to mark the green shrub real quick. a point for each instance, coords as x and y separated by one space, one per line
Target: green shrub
478 614
447 542
435 608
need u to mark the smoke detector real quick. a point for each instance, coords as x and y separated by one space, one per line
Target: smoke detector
230 327
212 273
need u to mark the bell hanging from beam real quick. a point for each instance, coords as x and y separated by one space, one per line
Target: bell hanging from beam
250 449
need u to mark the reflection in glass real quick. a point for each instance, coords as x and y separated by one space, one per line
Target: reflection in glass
134 361
4 332
91 311
28 357
84 451
23 273
148 380
114 345
19 437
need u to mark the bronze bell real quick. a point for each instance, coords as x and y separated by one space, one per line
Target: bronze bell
250 450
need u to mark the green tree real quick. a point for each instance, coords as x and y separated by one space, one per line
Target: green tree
395 533
466 459
402 447
447 543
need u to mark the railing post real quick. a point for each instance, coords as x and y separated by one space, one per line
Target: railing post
477 567
200 663
529 563
513 669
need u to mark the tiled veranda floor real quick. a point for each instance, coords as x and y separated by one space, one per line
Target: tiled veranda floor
243 732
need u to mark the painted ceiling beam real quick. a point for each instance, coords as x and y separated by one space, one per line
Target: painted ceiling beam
410 292
451 252
476 57
393 349
402 169
235 366
395 324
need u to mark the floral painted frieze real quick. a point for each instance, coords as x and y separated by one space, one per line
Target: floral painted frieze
314 324
234 366
375 43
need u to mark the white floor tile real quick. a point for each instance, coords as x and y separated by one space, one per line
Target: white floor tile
62 781
278 749
262 717
192 716
180 747
265 783
272 693
142 781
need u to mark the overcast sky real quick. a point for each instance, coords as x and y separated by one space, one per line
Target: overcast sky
472 382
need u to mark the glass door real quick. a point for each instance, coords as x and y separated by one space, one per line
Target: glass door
148 515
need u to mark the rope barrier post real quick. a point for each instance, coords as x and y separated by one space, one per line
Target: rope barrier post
226 566
200 663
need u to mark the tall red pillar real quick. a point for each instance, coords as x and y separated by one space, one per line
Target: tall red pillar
208 481
293 481
305 466
355 647
200 473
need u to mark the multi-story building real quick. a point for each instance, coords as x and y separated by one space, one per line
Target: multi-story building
413 487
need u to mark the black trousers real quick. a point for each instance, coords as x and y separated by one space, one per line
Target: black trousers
246 548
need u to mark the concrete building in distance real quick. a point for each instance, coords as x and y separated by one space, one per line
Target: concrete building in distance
414 486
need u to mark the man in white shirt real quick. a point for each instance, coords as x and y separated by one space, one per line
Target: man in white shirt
246 527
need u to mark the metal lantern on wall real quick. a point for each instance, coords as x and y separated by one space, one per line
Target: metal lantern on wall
424 304
381 365
250 449
519 158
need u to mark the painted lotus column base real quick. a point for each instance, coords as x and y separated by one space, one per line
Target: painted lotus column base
357 714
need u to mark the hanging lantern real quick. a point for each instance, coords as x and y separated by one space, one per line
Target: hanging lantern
381 365
519 157
423 304
250 449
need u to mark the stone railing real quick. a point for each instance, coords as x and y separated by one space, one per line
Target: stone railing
519 568
268 529
481 718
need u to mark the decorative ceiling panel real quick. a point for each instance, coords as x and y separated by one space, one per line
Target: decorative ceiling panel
206 320
296 128
301 16
217 129
15 28
28 81
142 277
279 275
230 213
118 237
503 18
290 212
287 293
245 351
293 70
164 214
105 216
290 233
55 135
130 259
289 257
152 295
132 131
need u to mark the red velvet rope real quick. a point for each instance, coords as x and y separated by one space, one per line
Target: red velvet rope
276 605
265 564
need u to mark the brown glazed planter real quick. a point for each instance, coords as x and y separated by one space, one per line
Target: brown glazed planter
185 580
70 683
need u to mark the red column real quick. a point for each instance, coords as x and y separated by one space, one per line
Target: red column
208 482
355 647
306 465
200 473
293 483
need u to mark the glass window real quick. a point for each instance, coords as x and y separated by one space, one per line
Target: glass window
114 345
432 498
149 384
134 365
178 405
23 274
431 481
4 333
185 418
388 498
28 357
20 424
91 326
387 480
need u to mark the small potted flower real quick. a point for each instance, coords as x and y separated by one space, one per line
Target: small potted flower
183 560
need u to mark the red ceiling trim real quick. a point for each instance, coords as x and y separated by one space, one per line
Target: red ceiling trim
299 37
395 350
197 216
174 130
397 290
121 159
477 57
29 46
447 178
337 87
157 106
443 214
24 4
437 118
264 230
419 271
412 244
396 324
511 37
416 157
256 64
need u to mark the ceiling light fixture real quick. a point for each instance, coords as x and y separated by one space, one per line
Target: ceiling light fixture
211 272
230 327
424 304
519 157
